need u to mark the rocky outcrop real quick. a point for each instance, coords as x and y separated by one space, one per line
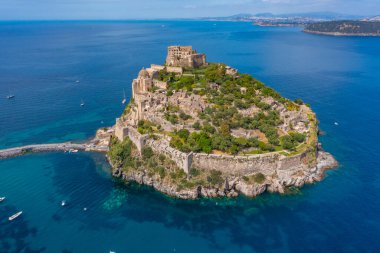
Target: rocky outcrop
233 186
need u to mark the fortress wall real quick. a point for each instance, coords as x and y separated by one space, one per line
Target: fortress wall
183 160
177 70
230 165
237 165
138 139
160 84
120 131
198 60
295 161
245 165
157 67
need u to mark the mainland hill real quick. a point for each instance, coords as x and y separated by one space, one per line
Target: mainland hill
345 28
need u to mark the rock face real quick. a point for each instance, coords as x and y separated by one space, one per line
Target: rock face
233 186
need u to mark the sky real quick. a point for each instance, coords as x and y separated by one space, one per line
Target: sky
153 9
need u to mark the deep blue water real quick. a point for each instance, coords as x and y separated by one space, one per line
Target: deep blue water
40 63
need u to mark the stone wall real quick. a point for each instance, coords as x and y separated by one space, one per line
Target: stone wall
183 160
245 165
121 132
229 165
157 67
177 70
160 84
198 60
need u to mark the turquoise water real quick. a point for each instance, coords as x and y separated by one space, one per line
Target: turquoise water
41 62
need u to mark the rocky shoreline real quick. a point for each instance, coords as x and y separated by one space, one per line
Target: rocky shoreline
232 186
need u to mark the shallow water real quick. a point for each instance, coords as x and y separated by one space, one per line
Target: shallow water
40 63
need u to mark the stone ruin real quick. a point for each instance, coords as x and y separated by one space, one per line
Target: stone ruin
185 56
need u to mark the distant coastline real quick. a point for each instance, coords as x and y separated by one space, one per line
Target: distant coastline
345 28
338 34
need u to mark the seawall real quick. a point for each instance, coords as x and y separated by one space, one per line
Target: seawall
54 147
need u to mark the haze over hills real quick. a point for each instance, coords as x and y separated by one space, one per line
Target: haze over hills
312 16
291 19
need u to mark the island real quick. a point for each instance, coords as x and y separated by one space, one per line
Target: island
196 129
345 28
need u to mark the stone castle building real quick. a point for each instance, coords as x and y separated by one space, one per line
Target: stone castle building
184 56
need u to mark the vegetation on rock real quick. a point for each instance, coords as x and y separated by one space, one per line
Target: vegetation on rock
350 27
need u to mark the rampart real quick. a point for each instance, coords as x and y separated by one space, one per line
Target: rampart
245 165
228 164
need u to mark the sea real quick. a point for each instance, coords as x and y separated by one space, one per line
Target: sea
51 67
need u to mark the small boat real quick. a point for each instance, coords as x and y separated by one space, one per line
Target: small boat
336 123
85 209
10 95
77 81
112 251
82 103
63 203
14 216
2 199
124 99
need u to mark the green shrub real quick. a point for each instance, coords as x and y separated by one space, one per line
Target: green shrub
147 152
197 125
184 116
215 177
161 171
183 134
194 172
162 158
259 178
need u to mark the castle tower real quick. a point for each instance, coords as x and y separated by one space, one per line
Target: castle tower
142 83
184 56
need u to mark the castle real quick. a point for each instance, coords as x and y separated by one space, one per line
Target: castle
184 56
159 109
150 103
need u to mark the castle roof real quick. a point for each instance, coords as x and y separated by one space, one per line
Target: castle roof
143 73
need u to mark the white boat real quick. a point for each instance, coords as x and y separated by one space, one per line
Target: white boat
2 198
124 99
15 216
10 95
63 203
336 123
82 103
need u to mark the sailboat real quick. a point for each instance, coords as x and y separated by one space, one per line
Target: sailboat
124 99
82 103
